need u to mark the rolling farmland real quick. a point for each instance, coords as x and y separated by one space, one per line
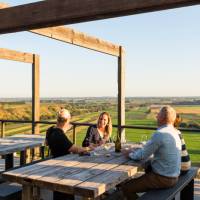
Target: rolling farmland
138 114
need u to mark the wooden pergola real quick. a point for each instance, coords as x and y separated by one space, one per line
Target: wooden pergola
34 60
51 13
69 35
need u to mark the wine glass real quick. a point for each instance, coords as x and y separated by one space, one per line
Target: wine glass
143 139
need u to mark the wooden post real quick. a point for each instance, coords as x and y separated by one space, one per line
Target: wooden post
121 94
35 94
74 134
2 129
35 100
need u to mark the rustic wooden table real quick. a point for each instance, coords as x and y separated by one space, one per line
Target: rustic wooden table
21 143
84 176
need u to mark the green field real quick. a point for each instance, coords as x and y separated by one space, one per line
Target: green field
135 115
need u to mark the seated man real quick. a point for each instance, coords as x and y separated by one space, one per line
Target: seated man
60 145
56 139
165 145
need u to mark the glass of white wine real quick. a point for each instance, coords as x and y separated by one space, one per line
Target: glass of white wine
143 139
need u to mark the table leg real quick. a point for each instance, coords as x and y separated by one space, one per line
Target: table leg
27 192
42 150
22 157
30 192
9 161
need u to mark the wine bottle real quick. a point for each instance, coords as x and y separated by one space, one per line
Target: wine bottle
118 143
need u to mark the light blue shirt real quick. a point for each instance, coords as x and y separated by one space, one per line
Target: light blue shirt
165 145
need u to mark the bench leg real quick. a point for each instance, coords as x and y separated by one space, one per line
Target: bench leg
9 161
188 192
30 192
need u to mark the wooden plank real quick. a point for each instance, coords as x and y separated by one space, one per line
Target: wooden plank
18 175
101 183
9 146
71 36
53 13
48 177
16 56
28 137
68 178
121 94
3 5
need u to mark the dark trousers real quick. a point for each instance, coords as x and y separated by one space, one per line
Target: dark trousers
146 182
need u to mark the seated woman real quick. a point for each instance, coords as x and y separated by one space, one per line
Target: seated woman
99 134
185 158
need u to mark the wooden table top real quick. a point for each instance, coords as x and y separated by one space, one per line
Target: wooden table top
87 176
19 143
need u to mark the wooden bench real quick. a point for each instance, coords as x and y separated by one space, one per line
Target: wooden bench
184 188
10 191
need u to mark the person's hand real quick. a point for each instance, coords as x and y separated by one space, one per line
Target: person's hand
91 147
126 152
102 142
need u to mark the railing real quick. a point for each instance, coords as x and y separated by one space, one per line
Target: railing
77 124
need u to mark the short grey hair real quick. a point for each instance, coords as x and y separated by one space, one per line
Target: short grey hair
63 115
168 114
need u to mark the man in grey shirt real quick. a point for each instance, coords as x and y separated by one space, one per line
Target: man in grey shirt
165 146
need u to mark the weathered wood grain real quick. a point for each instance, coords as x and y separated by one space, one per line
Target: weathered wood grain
71 36
11 144
3 5
101 183
15 55
87 176
53 13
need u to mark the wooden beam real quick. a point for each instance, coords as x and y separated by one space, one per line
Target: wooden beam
16 56
53 12
3 5
71 36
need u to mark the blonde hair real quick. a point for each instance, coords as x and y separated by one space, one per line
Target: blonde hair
168 114
108 127
63 115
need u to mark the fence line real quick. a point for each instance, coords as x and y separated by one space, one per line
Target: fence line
77 124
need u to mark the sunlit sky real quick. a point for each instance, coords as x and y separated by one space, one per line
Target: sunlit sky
162 58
